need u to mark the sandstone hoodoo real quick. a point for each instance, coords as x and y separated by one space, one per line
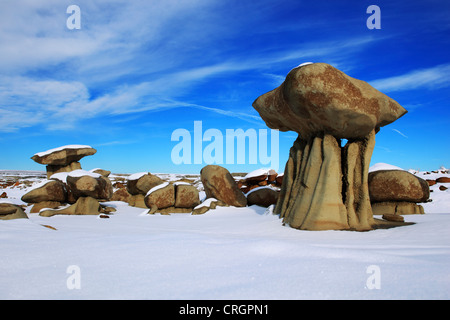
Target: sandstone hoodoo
325 184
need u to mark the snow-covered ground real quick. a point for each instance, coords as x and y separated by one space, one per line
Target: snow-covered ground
226 253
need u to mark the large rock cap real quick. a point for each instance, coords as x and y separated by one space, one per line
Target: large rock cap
64 155
318 98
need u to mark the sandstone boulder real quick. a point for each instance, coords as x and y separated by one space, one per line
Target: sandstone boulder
87 184
49 190
83 206
186 195
160 197
397 185
10 211
262 196
142 182
218 183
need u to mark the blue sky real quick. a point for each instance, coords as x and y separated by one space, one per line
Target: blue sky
138 70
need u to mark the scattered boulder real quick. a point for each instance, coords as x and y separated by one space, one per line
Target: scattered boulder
142 182
87 184
443 188
397 185
443 180
10 211
218 183
161 196
121 195
53 169
83 206
431 182
262 196
48 190
393 217
4 195
186 195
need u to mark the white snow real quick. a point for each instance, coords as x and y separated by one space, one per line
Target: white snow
227 253
80 173
70 146
206 203
304 64
383 166
259 188
257 173
136 176
61 176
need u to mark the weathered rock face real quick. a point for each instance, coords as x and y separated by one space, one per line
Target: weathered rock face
87 184
9 211
325 186
219 184
318 98
186 196
397 185
160 197
50 190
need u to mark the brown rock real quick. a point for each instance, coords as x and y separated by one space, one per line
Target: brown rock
208 204
431 182
393 217
9 211
52 169
397 208
137 200
102 172
121 195
83 206
49 190
264 197
45 204
443 180
397 185
279 179
161 196
63 156
443 188
3 195
186 196
87 184
141 184
218 183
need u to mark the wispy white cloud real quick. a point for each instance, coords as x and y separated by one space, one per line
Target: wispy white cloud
400 133
429 78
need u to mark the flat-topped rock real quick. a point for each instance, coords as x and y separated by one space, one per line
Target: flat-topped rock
63 156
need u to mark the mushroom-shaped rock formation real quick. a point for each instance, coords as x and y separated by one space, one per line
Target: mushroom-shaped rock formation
325 185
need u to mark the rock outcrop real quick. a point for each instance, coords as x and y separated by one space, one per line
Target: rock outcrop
325 185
